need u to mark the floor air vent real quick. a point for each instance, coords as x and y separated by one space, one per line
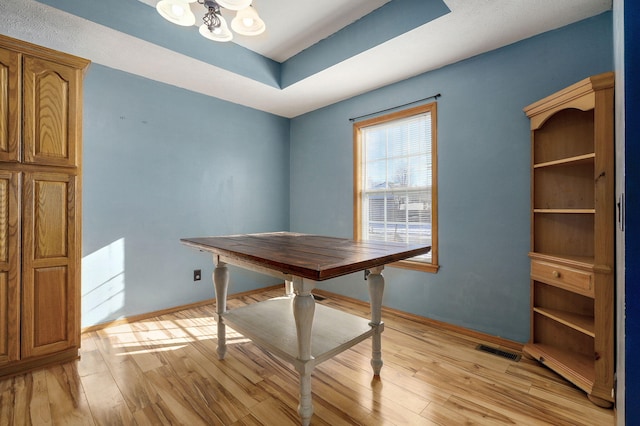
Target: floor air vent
509 355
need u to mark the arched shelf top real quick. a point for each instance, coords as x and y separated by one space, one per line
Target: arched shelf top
580 95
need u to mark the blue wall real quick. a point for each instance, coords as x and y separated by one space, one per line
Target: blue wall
162 163
483 175
632 225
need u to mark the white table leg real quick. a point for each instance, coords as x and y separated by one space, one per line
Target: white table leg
376 290
288 288
221 284
304 307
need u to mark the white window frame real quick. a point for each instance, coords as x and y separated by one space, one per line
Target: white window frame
360 210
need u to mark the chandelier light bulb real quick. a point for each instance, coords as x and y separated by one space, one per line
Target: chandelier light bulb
219 33
177 9
247 22
177 12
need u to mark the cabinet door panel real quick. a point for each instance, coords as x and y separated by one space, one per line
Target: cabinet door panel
9 105
50 294
49 237
9 268
50 316
51 123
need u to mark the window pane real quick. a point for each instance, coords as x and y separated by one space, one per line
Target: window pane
419 207
376 175
398 173
376 208
394 214
374 227
397 144
375 144
419 136
420 172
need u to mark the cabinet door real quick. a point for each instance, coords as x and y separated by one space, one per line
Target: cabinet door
51 99
50 271
9 268
9 105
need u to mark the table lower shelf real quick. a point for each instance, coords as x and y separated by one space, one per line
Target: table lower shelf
271 325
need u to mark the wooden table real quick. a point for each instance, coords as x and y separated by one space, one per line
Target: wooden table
313 333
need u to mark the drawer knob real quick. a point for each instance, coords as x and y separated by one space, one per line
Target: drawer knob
556 274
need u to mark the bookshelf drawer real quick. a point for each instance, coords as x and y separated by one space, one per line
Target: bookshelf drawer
563 277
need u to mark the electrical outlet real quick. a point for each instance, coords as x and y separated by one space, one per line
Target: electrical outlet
197 274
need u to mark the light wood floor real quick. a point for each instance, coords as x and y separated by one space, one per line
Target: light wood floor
164 371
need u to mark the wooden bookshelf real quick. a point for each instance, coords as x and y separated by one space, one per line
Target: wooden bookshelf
572 235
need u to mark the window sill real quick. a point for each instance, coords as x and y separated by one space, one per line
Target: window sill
416 266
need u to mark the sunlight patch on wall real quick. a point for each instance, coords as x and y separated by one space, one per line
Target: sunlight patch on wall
103 284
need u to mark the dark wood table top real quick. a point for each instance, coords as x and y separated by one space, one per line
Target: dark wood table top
309 256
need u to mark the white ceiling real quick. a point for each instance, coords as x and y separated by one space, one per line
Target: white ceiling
473 27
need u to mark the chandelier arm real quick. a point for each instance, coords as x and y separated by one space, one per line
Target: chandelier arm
212 18
214 27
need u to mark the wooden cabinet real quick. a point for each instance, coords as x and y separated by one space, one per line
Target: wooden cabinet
572 235
40 134
51 120
9 268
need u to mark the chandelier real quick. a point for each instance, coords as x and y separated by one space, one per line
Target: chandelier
246 22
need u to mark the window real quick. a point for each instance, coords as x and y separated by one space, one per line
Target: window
395 185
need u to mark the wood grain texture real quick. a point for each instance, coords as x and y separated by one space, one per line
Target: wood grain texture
49 274
9 105
9 268
164 371
308 256
50 97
